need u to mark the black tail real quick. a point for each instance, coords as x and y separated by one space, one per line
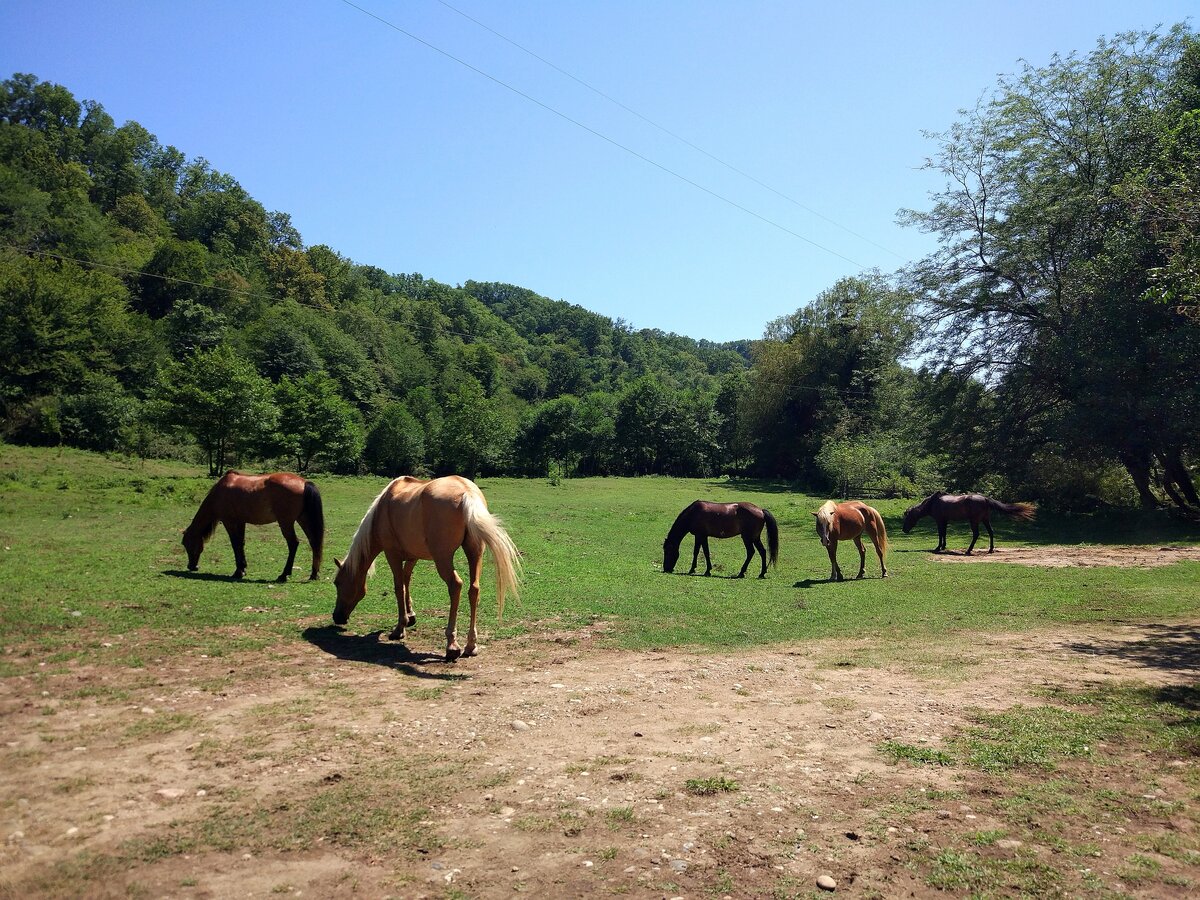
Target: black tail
313 511
772 536
1023 511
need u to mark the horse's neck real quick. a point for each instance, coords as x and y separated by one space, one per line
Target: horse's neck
206 517
679 529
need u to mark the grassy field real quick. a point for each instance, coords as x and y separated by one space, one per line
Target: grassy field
91 547
222 746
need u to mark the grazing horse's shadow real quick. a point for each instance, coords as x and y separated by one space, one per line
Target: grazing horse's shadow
370 648
213 576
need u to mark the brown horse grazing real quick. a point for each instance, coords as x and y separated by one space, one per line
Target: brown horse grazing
974 508
238 500
722 520
847 521
413 519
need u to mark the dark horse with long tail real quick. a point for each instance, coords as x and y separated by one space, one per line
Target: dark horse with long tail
973 508
722 520
239 500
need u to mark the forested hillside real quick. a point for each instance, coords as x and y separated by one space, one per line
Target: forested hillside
148 302
1049 348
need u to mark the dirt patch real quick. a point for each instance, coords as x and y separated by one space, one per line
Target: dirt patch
350 766
1063 557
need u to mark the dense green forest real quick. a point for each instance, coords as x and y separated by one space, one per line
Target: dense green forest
1049 348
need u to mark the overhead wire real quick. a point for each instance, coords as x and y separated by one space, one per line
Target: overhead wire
667 131
578 124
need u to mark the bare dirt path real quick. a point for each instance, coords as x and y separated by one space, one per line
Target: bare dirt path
1148 556
349 766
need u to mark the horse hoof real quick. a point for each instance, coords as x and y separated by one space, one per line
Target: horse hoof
239 574
452 653
410 621
396 635
281 579
470 651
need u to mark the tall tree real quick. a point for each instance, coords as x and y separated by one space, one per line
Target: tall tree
1041 271
218 399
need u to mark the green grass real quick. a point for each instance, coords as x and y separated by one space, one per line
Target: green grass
90 555
705 787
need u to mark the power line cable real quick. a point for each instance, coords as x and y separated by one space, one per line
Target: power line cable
599 134
667 131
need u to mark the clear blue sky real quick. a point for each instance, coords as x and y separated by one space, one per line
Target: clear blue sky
397 156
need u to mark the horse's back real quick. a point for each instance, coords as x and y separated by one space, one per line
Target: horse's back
425 518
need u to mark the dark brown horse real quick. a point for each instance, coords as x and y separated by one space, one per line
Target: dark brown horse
722 520
847 522
973 508
239 500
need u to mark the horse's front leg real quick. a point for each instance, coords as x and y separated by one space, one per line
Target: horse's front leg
445 568
974 537
862 557
695 554
237 537
401 573
835 573
289 534
941 538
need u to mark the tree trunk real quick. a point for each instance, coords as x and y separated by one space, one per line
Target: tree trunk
1176 472
1138 466
1177 481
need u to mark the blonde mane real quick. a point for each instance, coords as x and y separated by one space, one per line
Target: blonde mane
357 554
825 514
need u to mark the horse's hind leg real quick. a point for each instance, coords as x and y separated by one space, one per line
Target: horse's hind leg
991 537
749 542
974 536
445 568
475 568
312 543
237 537
879 553
289 534
862 556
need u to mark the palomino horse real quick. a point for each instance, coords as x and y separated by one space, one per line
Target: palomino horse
974 508
413 519
238 500
722 520
847 521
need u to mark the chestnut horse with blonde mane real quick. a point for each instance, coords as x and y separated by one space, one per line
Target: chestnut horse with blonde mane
847 521
239 500
413 519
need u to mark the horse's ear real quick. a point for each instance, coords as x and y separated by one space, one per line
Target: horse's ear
337 562
816 514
